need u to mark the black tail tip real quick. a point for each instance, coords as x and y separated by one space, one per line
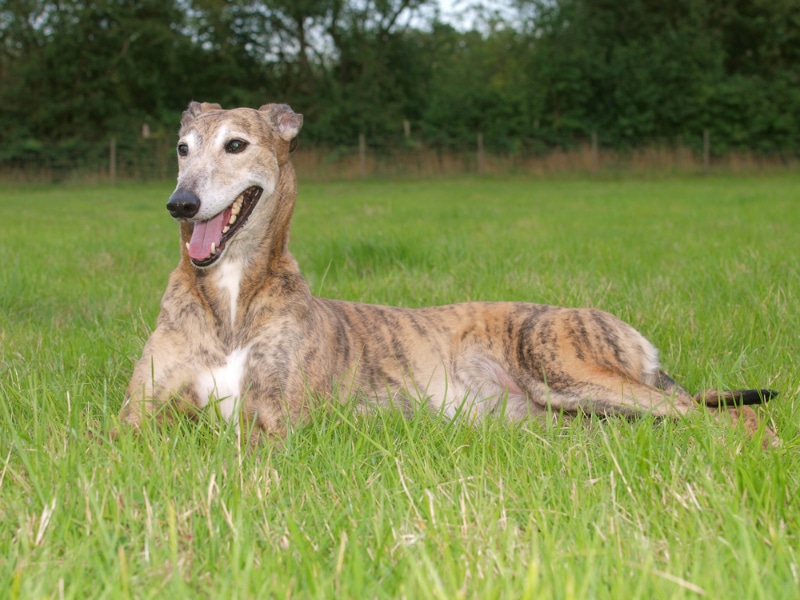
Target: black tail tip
735 397
746 397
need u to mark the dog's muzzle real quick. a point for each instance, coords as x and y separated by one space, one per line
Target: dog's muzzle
209 238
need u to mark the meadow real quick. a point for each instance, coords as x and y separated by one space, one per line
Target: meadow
381 507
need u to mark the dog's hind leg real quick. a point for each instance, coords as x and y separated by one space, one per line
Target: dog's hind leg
729 407
612 394
608 393
747 419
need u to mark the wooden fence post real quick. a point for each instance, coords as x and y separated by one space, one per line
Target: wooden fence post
362 155
595 154
480 153
406 128
112 161
706 151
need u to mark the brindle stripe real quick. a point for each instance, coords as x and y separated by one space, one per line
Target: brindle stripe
398 348
328 317
546 339
414 319
528 358
577 334
610 338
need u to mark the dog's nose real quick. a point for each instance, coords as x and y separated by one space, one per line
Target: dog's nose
183 204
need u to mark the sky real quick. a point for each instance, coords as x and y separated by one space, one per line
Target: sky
458 13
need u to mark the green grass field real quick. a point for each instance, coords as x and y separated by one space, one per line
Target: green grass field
363 507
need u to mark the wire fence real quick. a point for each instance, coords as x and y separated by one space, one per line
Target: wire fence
143 159
154 160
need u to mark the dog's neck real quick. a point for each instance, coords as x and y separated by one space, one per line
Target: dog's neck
274 248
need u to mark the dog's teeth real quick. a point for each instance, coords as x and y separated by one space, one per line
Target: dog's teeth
226 229
236 209
187 246
213 248
232 220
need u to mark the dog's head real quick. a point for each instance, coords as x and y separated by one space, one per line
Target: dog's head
228 160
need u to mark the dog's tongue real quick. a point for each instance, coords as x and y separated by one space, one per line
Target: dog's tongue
206 233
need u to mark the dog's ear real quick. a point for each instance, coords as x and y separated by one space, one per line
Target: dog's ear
194 109
283 120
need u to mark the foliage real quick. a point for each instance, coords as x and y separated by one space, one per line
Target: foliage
540 75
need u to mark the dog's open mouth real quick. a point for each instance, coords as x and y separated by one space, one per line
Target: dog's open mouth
209 237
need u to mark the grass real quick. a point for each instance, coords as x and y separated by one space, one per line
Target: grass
361 507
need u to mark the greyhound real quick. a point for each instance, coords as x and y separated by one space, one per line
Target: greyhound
240 328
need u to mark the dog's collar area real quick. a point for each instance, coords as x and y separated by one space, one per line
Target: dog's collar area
209 238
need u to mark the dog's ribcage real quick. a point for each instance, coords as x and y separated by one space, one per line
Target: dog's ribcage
478 356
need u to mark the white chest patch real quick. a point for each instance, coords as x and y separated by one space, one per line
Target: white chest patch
223 385
229 276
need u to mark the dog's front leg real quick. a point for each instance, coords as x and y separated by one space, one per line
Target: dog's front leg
268 413
161 379
279 385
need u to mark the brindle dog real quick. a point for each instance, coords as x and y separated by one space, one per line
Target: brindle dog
239 327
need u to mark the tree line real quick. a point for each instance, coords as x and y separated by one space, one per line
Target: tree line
539 75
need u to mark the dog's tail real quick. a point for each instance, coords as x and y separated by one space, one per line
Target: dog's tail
734 397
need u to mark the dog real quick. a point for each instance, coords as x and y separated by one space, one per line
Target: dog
239 327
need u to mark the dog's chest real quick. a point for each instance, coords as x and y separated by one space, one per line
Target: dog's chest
228 280
223 384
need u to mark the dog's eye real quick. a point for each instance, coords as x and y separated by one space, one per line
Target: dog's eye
235 146
183 149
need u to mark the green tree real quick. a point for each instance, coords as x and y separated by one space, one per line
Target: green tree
644 71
